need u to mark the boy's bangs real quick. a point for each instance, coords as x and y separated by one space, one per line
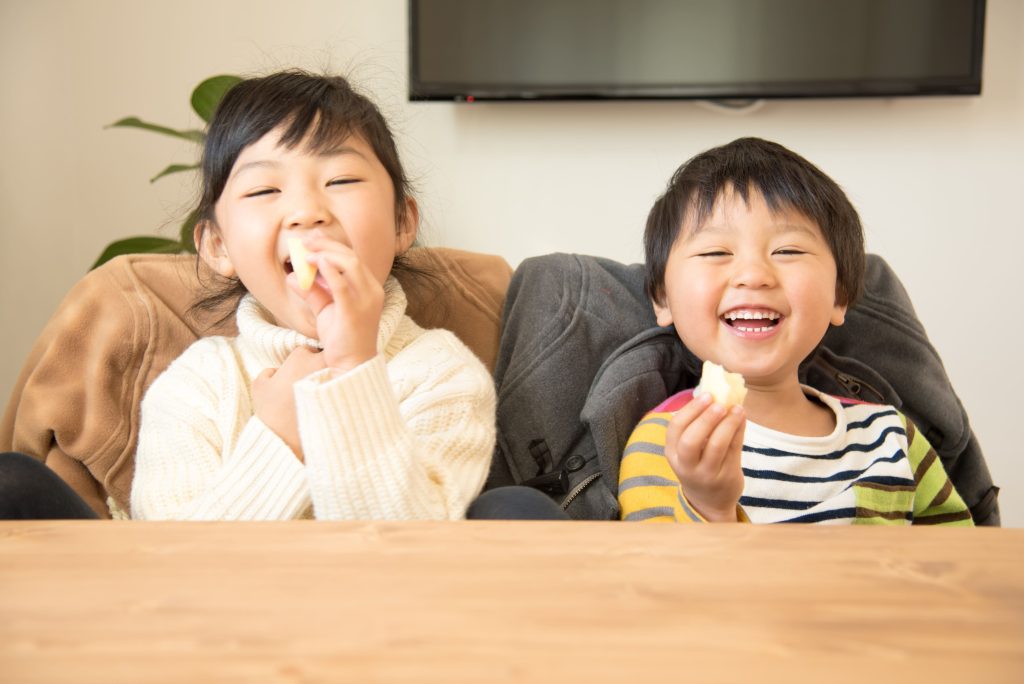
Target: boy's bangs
700 204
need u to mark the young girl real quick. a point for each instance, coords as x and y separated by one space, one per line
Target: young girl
330 403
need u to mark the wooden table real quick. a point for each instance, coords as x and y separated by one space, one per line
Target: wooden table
508 602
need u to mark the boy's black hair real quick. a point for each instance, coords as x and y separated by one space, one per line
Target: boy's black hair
320 111
785 179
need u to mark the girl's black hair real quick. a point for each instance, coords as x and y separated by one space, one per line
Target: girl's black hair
319 111
784 178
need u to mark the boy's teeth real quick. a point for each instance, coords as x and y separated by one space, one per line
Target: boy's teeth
751 315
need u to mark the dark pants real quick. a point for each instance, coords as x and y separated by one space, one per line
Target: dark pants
31 491
514 503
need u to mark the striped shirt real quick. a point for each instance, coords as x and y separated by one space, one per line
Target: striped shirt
875 468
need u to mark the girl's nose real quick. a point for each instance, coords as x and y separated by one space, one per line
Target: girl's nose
307 210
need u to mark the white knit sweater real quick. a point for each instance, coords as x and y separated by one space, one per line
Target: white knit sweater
406 435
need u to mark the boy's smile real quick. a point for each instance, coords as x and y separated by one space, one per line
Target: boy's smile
751 321
752 289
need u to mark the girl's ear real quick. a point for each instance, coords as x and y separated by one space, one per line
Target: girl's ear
409 226
211 248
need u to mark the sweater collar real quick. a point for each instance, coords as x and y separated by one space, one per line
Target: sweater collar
272 344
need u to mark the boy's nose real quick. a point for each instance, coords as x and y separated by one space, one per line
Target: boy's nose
753 272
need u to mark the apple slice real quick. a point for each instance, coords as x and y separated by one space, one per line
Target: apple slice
725 388
304 270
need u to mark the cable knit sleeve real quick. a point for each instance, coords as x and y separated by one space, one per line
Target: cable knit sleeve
203 455
410 438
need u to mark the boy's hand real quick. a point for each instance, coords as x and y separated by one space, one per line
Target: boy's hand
347 301
703 445
273 395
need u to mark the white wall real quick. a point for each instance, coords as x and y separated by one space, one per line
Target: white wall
937 180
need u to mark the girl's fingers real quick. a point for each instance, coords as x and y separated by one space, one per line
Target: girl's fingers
346 264
316 297
317 243
347 281
340 274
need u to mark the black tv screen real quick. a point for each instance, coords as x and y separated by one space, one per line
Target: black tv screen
693 49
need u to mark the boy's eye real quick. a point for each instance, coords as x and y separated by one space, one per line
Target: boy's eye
260 191
343 181
789 251
713 253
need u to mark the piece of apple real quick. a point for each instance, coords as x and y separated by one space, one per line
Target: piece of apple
725 388
304 271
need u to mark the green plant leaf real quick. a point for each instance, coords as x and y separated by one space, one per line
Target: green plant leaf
208 94
141 244
173 168
136 122
188 231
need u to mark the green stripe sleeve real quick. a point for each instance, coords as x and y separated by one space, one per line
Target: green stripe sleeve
936 501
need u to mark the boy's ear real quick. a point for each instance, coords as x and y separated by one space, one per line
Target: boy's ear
212 250
662 313
839 314
409 226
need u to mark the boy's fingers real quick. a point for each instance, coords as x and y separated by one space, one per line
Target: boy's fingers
721 441
684 416
735 455
692 441
681 420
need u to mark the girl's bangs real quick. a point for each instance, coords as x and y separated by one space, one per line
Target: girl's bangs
320 129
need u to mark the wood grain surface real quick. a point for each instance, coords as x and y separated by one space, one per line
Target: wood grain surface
508 602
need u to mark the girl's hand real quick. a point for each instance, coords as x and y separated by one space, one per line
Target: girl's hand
703 445
273 396
347 301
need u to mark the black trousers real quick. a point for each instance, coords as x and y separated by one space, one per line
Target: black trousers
514 503
31 491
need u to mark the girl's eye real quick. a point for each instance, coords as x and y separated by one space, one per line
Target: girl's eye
260 191
713 253
343 181
789 251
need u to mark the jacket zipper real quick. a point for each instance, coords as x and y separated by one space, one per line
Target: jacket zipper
578 489
853 385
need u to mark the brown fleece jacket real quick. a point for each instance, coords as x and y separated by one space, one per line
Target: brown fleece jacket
75 404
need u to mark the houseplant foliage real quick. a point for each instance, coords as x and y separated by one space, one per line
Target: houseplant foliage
205 98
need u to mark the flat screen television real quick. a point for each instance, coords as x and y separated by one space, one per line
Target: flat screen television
468 50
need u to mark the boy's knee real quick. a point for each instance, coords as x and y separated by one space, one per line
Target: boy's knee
514 503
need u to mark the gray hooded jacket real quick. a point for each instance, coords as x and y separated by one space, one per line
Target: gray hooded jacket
581 359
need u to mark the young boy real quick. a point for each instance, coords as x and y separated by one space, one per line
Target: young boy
752 253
